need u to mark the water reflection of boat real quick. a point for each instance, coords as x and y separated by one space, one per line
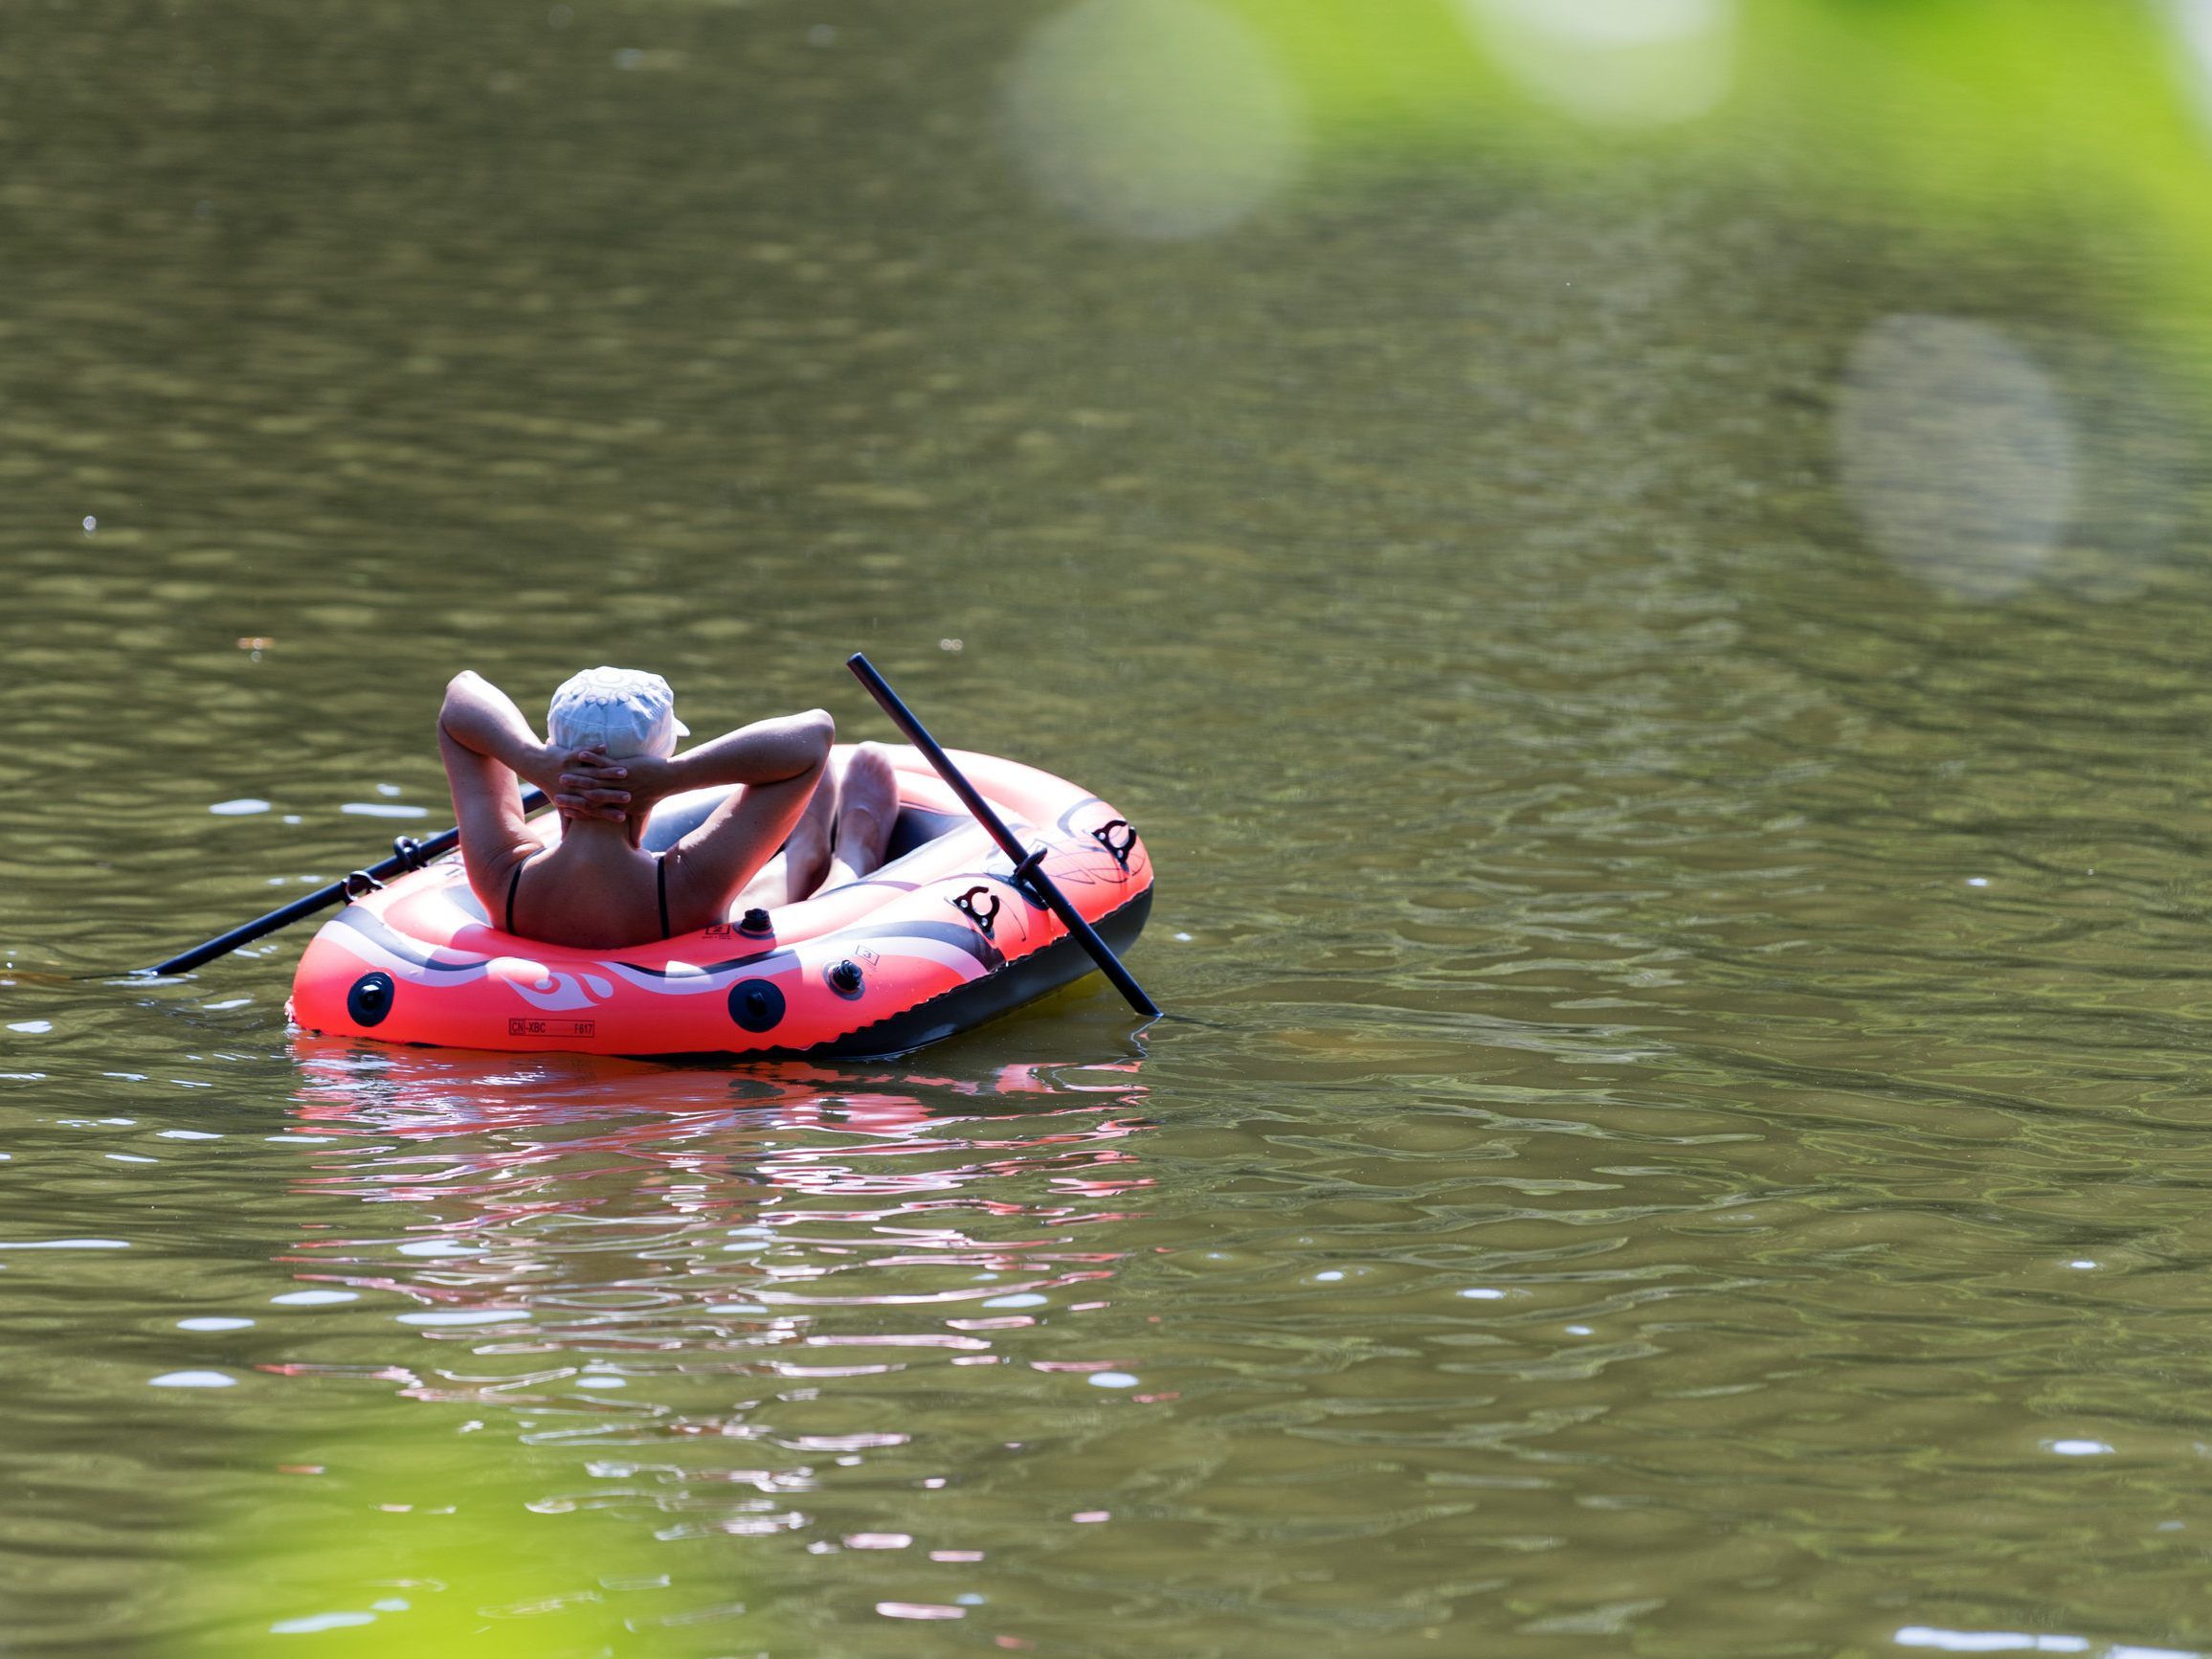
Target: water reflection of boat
619 1202
686 1313
410 1090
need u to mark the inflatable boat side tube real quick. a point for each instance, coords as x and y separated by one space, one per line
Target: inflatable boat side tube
937 941
1002 991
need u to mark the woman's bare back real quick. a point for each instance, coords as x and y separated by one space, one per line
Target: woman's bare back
589 883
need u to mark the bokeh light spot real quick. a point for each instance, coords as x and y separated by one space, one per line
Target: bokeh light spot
1165 118
1956 452
2193 23
1612 62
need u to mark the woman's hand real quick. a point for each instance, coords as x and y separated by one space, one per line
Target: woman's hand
648 780
588 784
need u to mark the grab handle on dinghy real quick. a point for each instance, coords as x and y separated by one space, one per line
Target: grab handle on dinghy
1028 866
407 855
1104 835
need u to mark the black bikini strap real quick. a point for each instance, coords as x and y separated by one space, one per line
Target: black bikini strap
513 882
661 870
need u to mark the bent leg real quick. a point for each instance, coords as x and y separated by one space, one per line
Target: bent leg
711 866
795 871
769 888
843 835
867 806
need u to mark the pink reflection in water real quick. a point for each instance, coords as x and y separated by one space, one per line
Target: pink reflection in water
754 1255
919 1610
811 1171
706 1221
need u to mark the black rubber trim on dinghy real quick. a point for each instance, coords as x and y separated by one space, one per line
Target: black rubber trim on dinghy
1001 991
1036 975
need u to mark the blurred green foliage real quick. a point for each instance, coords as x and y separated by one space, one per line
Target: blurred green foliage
1976 114
420 1534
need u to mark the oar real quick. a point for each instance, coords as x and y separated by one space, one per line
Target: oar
1028 870
406 855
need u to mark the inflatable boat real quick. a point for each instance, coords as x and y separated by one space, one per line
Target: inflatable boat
944 936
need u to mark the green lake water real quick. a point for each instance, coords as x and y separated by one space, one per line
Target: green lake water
1643 572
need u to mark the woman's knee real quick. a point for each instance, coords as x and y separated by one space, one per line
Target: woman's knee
870 783
871 763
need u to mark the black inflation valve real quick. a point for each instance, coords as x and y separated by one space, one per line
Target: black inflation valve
369 999
845 977
753 921
755 1004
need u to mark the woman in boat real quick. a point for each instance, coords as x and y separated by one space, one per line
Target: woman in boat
585 879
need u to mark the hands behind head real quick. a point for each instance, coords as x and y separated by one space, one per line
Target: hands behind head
592 785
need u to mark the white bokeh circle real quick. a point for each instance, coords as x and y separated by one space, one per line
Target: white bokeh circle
1631 63
1161 118
1956 452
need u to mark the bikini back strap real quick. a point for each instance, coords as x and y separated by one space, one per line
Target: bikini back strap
513 882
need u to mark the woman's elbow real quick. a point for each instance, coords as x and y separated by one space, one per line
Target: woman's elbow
464 694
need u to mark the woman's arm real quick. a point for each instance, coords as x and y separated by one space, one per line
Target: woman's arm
486 744
779 765
484 720
766 751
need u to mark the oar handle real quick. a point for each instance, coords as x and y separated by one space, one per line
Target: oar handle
1025 862
412 855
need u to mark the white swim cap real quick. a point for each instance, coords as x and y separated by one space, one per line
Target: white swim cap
626 709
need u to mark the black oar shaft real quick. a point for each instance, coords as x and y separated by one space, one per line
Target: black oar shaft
321 897
986 814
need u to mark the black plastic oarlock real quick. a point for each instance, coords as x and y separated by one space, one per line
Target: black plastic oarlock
1024 876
